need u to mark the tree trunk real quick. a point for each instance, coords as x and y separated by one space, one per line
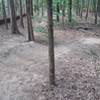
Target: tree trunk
95 11
77 8
31 5
29 21
96 17
69 11
51 44
64 3
63 14
4 14
82 6
81 14
14 27
8 8
87 10
37 7
42 8
98 8
58 11
21 14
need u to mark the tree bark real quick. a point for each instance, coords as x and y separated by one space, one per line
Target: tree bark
8 8
4 14
95 11
21 14
42 8
63 13
98 8
87 10
14 27
31 5
58 11
29 21
51 44
77 7
37 7
69 11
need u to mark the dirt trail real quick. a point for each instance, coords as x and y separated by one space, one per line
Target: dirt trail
24 68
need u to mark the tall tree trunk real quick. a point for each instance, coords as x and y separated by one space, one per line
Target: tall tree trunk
31 5
82 6
8 8
14 27
37 7
87 10
96 18
29 21
64 3
69 11
98 8
77 8
95 11
21 14
81 14
4 14
42 8
58 11
51 44
63 13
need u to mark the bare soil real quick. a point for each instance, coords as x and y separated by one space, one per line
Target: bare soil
24 73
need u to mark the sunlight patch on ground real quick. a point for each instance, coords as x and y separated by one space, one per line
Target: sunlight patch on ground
90 41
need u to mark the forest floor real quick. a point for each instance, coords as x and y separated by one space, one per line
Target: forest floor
24 65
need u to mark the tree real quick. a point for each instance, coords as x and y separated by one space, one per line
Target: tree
21 14
81 8
8 7
37 7
77 7
98 8
14 27
51 43
58 11
31 5
42 8
4 14
63 12
69 11
29 21
95 10
87 9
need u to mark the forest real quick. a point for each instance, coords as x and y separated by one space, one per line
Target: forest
49 49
